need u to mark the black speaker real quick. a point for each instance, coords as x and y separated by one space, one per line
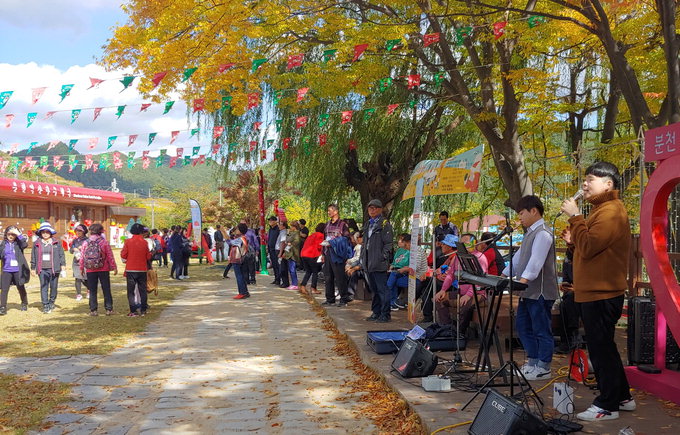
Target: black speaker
500 415
413 360
642 331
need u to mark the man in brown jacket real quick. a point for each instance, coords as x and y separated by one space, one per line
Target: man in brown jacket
601 246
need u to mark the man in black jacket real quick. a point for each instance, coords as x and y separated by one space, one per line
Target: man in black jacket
375 260
272 236
219 244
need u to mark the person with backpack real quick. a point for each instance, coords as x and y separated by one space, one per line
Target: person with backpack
238 246
81 237
334 265
159 247
136 256
15 268
97 262
48 261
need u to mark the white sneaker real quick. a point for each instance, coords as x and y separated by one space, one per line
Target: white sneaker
627 405
186 277
79 297
595 413
182 277
538 373
527 368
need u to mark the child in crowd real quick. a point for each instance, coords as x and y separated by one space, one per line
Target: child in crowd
48 261
14 267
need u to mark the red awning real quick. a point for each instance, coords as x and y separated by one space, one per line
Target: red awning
25 189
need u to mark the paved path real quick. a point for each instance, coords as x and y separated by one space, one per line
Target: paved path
211 364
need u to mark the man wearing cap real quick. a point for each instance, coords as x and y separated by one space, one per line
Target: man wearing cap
375 260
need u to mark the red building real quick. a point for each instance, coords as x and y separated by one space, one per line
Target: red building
24 202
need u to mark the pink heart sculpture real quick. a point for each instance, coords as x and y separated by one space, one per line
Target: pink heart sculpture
654 240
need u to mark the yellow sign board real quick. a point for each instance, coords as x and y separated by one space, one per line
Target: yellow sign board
458 174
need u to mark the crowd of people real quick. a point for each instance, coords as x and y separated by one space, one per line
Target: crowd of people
348 255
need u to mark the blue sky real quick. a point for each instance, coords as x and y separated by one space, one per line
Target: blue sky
62 33
49 43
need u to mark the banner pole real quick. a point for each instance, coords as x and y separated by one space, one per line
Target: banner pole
263 246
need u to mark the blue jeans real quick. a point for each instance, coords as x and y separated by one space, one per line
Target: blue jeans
240 279
534 327
48 281
292 269
396 280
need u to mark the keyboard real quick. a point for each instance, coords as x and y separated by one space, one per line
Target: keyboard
493 282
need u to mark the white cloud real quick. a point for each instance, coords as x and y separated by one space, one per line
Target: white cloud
23 78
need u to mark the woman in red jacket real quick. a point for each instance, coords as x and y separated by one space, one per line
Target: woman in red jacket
96 263
136 255
311 251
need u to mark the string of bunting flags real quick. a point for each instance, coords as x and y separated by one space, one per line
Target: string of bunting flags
293 61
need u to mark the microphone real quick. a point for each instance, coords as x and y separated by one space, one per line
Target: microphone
508 228
578 195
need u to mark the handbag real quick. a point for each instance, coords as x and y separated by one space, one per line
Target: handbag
236 252
152 281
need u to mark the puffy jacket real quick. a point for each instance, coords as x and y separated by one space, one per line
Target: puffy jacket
312 247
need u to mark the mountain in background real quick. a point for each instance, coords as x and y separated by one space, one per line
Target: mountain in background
128 180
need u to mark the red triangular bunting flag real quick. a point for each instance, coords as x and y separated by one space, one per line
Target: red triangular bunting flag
295 60
253 100
180 151
158 77
92 143
36 94
173 136
256 126
216 148
322 140
300 121
52 144
131 139
144 107
95 82
97 112
225 67
430 39
499 28
346 116
286 143
413 81
301 93
217 131
252 145
49 115
358 51
199 104
391 108
173 162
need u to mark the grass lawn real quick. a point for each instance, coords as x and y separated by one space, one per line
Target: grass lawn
69 330
25 403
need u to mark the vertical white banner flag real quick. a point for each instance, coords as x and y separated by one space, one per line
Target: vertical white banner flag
196 221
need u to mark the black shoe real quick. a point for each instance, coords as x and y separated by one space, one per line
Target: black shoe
327 304
225 277
383 319
24 307
3 311
371 318
284 285
47 309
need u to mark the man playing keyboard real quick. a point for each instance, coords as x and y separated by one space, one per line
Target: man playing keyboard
534 265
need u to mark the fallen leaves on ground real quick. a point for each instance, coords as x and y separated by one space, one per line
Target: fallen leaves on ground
24 403
388 411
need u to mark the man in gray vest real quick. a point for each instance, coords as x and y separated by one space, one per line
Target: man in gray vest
534 265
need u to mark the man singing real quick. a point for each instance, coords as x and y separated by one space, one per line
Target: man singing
534 265
601 246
